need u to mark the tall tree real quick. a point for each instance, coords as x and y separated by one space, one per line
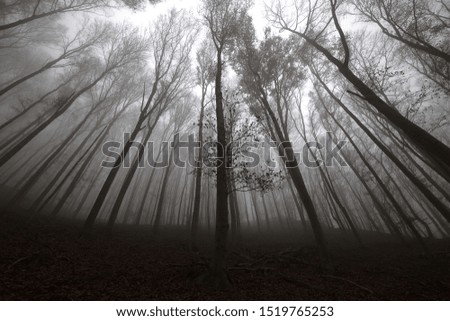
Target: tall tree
26 11
205 74
172 39
312 21
222 20
266 75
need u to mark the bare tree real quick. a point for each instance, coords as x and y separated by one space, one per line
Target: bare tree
83 41
205 73
222 20
265 80
119 51
119 101
418 24
311 21
442 208
172 39
25 11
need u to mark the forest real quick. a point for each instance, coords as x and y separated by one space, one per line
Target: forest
224 150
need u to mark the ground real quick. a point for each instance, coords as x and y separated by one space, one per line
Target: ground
45 259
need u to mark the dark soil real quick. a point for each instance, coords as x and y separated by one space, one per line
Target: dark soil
46 259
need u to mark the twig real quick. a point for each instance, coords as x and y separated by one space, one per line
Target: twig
355 94
348 281
240 268
297 260
23 259
301 283
187 265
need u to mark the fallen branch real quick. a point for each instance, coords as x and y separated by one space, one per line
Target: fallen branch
301 283
348 281
29 258
188 264
240 268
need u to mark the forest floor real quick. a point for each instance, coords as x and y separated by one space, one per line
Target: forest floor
45 259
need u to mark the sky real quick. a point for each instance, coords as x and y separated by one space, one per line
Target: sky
143 17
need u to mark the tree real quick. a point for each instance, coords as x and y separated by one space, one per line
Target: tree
172 41
441 207
418 24
26 11
267 76
222 19
179 117
81 43
119 51
402 213
119 101
310 21
205 74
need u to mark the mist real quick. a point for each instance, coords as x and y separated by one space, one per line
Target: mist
224 150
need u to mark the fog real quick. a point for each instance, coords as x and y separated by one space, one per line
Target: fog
223 144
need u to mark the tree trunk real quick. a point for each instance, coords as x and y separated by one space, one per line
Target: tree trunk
127 182
89 152
431 147
110 179
293 168
60 110
219 277
198 179
58 175
162 195
391 198
43 167
442 208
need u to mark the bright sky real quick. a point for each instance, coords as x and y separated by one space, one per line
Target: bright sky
142 18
